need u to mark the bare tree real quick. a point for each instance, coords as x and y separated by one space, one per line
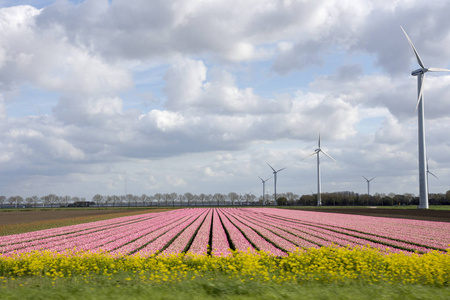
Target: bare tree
202 198
158 198
173 196
218 197
19 200
189 197
233 197
129 198
2 200
166 198
11 201
29 201
98 199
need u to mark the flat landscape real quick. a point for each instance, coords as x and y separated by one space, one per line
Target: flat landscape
408 213
11 217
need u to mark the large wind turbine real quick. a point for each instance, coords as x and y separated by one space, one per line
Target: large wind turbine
420 73
275 180
317 152
368 183
264 188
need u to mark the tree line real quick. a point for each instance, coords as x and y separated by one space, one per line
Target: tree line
345 198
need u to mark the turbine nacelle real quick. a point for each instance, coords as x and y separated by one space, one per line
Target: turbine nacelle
419 71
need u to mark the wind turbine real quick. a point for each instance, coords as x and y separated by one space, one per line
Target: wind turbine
317 152
420 73
428 172
264 188
275 180
368 183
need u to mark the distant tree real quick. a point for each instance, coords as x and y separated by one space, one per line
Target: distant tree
158 198
2 200
129 198
173 197
282 201
50 199
98 199
196 199
107 200
115 199
144 199
11 201
166 198
19 200
189 197
29 201
65 200
217 197
233 197
122 199
35 200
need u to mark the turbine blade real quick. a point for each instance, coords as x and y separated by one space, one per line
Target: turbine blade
267 179
328 155
281 169
270 166
315 152
364 178
433 175
419 60
319 140
437 70
420 91
261 179
372 178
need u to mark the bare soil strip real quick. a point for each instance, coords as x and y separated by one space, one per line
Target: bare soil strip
32 216
415 214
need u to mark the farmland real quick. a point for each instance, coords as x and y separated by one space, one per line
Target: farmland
198 229
234 250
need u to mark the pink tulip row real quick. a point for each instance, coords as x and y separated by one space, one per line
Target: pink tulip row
273 230
200 244
219 243
402 233
93 239
164 240
316 236
238 240
182 240
86 228
256 239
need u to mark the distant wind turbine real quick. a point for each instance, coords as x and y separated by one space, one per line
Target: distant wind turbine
420 73
264 189
317 152
368 183
275 180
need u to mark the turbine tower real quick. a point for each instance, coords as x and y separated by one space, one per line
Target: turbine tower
317 152
275 180
368 183
420 73
264 189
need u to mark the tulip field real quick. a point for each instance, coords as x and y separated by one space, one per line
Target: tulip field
219 231
243 253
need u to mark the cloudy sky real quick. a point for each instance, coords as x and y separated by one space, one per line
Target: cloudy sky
120 96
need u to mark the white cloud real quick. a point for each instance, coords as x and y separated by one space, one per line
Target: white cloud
245 83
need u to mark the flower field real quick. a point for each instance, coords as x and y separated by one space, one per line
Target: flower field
218 231
200 247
